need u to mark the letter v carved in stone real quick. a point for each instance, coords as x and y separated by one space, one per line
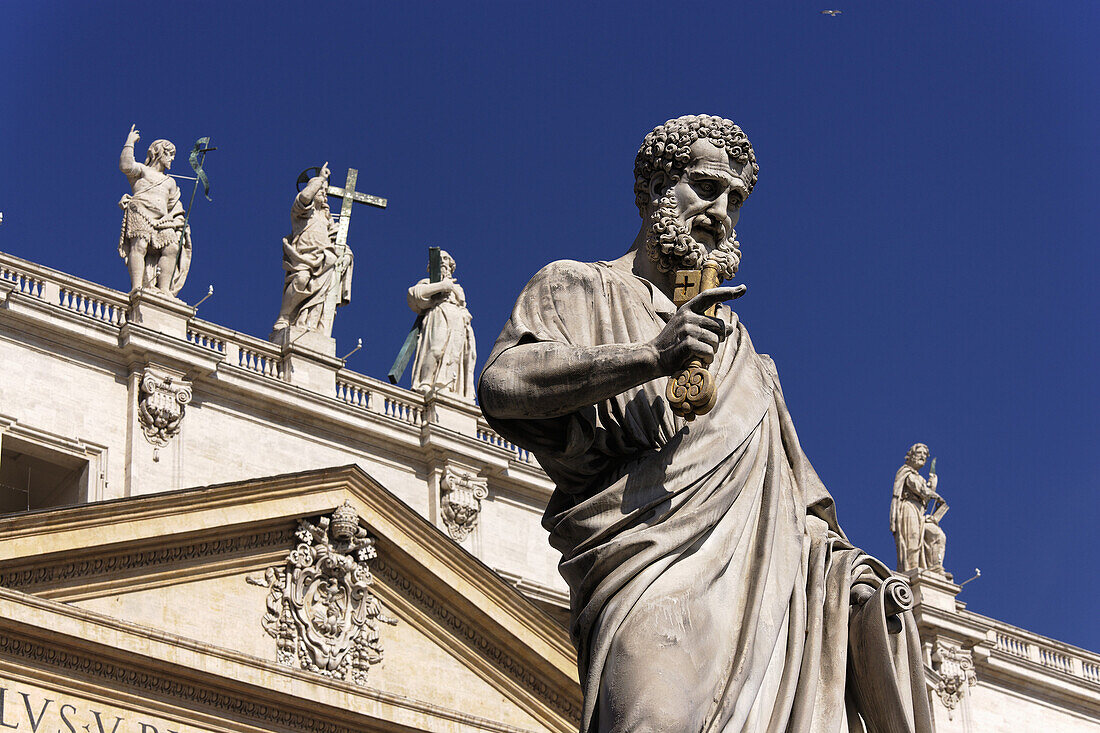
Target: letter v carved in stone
35 722
99 722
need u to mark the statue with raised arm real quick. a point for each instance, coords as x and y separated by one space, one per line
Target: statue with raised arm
920 541
318 268
155 240
712 588
445 351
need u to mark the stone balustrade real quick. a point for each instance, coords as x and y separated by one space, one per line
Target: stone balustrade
107 307
57 288
376 396
1021 644
490 436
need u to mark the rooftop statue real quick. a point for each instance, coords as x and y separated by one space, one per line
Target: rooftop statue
712 586
155 240
920 541
318 266
445 351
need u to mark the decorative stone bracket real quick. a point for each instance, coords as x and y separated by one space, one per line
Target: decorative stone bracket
162 402
955 667
320 610
460 495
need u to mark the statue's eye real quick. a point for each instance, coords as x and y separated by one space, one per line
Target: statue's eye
707 188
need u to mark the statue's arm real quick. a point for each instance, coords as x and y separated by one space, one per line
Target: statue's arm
549 379
424 295
126 163
545 379
305 198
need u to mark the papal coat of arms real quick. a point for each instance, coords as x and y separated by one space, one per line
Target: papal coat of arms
320 610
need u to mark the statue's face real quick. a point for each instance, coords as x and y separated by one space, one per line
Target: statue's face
709 194
919 459
693 218
167 155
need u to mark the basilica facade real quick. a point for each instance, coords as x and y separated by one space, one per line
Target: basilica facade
202 530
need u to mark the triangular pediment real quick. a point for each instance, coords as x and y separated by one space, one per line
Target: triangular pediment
173 586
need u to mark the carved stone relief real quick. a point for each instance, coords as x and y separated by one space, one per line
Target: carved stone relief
460 498
320 610
955 666
162 402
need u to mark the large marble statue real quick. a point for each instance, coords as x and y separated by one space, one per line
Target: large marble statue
445 352
318 268
155 241
920 541
712 587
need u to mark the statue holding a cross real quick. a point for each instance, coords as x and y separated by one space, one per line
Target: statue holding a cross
316 256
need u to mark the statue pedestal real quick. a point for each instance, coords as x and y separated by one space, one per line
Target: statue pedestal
933 590
309 358
451 412
159 312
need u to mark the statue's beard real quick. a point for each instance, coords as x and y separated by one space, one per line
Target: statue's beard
671 246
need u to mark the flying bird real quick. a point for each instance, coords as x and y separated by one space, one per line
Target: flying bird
833 13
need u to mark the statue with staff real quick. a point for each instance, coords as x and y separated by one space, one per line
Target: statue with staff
155 239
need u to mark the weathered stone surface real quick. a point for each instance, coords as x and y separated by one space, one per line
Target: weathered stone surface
154 241
318 266
915 523
446 351
681 538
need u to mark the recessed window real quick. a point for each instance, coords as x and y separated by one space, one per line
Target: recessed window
35 477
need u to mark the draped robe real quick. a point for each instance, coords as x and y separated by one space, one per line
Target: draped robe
709 578
311 250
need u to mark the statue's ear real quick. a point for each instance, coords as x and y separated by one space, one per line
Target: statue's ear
657 185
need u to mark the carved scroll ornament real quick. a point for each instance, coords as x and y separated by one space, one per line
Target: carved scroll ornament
956 671
320 610
162 402
460 501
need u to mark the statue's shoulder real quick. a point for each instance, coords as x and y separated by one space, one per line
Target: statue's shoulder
569 269
562 275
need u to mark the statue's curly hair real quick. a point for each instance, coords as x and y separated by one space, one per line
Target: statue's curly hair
667 150
917 448
155 149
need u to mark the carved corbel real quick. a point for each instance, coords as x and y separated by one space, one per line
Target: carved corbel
162 403
460 496
955 668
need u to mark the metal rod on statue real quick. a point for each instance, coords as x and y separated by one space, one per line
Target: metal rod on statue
209 293
435 274
197 158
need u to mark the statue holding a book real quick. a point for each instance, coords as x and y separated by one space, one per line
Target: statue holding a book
915 513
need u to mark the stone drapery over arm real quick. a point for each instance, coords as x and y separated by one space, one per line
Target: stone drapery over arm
709 578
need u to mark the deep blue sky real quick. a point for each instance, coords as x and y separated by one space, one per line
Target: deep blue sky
920 251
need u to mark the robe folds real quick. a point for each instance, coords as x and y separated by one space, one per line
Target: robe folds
709 579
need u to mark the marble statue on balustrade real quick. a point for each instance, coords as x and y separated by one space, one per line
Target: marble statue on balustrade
318 268
712 588
155 240
915 513
445 351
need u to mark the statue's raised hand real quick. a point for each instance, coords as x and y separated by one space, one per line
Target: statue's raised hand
691 334
133 136
325 172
